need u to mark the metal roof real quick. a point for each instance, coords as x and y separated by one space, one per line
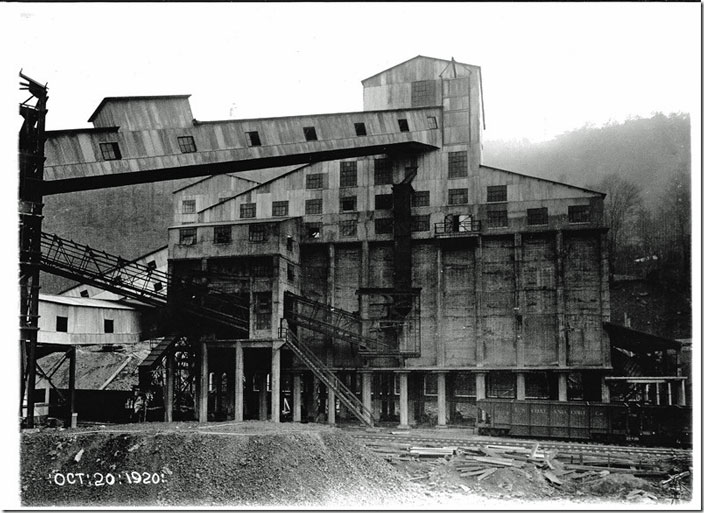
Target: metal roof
638 341
82 301
129 98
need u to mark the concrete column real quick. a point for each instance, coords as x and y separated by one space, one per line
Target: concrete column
262 398
478 302
331 406
657 394
364 282
480 382
519 299
521 386
403 399
606 392
296 398
442 408
275 384
367 391
169 392
560 306
562 386
669 393
71 387
239 382
682 396
439 309
203 392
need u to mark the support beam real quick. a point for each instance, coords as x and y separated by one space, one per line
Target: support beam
606 392
296 397
521 386
403 399
562 386
203 391
239 382
442 408
71 386
331 406
169 392
367 391
682 396
263 414
275 384
480 382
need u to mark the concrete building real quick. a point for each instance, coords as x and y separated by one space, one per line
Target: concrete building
457 280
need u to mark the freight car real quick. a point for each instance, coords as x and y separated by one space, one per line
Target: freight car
580 420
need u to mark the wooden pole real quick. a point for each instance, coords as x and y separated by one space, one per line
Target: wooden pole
203 396
169 393
71 386
297 398
442 408
275 384
239 382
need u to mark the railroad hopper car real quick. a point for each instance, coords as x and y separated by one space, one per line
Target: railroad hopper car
581 420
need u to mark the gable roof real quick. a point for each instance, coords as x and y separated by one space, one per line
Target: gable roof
544 180
128 98
412 59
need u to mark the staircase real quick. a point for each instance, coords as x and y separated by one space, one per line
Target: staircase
344 394
153 359
333 322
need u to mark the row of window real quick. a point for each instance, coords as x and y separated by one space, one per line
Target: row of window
111 150
62 325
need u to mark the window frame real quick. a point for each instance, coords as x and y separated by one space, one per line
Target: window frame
348 170
403 125
186 143
579 214
432 122
314 181
111 149
253 138
353 199
309 207
219 232
360 129
108 326
279 208
248 210
453 194
457 164
258 232
420 199
384 226
185 234
61 324
310 133
380 201
539 213
383 171
348 228
188 206
420 223
492 220
496 193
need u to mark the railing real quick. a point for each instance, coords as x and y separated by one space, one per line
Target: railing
310 360
458 228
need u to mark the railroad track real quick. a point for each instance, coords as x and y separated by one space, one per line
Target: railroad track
565 448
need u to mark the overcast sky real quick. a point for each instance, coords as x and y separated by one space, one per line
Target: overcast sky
547 68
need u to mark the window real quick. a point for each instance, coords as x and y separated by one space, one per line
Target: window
382 226
290 273
422 93
501 385
348 174
457 164
313 230
496 193
309 133
348 228
248 210
62 324
279 208
188 207
360 129
432 122
186 144
383 202
537 385
403 125
257 232
382 172
314 206
289 243
253 138
110 151
314 181
458 196
430 384
465 385
151 264
85 293
420 223
262 310
261 270
578 213
222 234
187 236
108 326
348 204
420 199
537 216
497 216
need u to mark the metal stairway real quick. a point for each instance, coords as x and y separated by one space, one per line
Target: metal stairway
333 322
141 282
344 394
154 358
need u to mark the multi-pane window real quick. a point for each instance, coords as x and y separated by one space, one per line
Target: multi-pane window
348 174
538 216
430 384
187 236
465 385
383 202
261 269
248 210
458 196
496 193
348 204
314 206
422 93
501 385
385 225
222 234
110 151
360 129
420 223
61 324
186 144
108 326
313 230
578 213
403 125
497 216
253 138
383 172
279 208
420 199
432 122
309 133
537 385
457 164
314 181
262 310
188 207
348 228
257 232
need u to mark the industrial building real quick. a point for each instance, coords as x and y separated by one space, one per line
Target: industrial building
385 274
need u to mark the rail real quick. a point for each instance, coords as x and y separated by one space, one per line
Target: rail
458 228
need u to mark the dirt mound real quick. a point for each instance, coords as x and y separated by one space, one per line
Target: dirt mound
620 485
191 466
